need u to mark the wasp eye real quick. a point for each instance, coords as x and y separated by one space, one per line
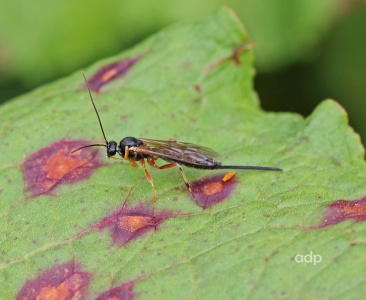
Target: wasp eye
111 148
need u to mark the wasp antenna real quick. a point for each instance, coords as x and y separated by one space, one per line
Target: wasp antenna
95 108
87 146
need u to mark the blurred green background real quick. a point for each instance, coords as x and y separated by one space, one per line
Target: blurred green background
306 50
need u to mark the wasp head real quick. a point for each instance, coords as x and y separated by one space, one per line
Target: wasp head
111 148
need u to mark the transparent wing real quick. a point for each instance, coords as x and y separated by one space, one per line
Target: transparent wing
178 147
186 153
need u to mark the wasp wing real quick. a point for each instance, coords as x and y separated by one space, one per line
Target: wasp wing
177 146
185 153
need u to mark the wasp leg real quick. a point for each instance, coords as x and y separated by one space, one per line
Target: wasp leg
151 162
132 162
127 153
125 157
148 177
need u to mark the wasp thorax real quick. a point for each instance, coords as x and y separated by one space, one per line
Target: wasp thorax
111 148
128 142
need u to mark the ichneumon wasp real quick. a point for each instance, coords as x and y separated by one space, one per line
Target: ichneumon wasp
175 153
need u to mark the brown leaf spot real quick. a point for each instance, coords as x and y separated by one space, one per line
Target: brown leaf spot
54 165
212 190
235 57
61 282
198 88
111 72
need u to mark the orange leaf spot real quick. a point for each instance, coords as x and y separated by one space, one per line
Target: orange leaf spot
212 188
133 223
109 74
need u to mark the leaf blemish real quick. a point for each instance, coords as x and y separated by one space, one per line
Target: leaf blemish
134 223
124 291
235 57
198 88
212 190
64 281
111 72
128 224
342 210
53 165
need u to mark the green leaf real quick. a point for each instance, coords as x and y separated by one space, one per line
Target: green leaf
62 213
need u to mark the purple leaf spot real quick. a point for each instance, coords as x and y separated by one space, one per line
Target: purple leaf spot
341 210
53 165
64 281
212 190
128 224
111 72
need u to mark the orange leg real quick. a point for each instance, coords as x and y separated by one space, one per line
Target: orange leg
127 153
151 162
133 163
148 177
125 157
